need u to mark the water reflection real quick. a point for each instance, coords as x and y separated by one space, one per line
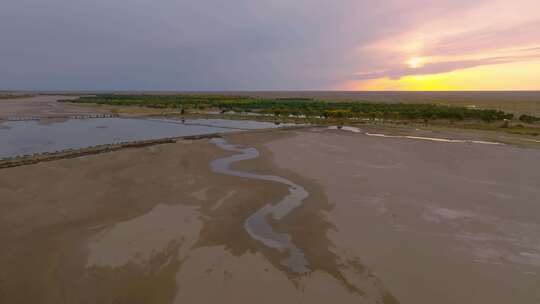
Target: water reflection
256 225
29 137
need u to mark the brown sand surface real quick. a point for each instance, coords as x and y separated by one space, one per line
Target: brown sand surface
436 222
155 225
381 224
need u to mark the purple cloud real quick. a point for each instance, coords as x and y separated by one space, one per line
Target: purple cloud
440 67
222 45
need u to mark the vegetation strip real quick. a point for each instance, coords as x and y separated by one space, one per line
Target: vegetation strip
301 107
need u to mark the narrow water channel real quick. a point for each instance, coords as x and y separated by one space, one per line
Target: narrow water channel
256 225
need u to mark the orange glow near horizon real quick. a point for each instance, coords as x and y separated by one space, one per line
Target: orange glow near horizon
466 50
510 76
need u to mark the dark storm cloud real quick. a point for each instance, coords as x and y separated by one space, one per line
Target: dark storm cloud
165 44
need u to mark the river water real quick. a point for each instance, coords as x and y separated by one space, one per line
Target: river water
256 225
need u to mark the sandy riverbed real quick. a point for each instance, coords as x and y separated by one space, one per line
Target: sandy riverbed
438 222
387 220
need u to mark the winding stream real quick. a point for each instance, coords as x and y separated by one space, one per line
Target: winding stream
256 225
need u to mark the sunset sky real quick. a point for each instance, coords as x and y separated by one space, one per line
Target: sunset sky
270 45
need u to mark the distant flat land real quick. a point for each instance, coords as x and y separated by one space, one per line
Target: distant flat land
517 102
5 95
25 105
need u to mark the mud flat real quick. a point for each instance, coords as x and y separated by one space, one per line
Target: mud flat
438 221
155 224
256 225
387 220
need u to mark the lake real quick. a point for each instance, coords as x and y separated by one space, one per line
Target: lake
29 137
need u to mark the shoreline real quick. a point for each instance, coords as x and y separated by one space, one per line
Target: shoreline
36 158
157 223
22 160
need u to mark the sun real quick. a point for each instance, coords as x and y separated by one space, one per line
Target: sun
415 62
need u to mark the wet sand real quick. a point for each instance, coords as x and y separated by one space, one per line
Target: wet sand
257 225
381 223
156 225
438 222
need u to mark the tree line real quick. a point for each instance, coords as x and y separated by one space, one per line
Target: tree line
305 107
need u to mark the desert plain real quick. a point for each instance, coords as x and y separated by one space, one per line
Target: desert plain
386 220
